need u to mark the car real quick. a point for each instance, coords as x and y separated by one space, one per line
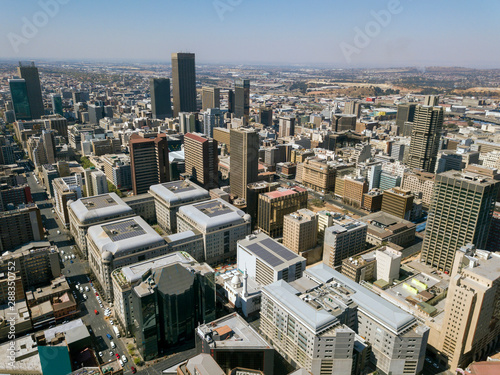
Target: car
113 345
428 360
85 297
111 322
111 353
71 261
90 330
124 359
87 289
58 232
66 321
117 356
63 260
62 252
121 362
96 312
81 290
134 370
109 336
101 305
72 256
96 294
100 354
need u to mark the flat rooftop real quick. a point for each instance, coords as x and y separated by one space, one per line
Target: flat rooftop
269 251
176 192
99 207
241 334
381 222
26 349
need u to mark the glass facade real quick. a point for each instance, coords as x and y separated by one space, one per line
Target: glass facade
20 100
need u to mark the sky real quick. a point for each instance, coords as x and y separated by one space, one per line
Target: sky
330 33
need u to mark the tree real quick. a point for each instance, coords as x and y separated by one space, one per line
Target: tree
86 163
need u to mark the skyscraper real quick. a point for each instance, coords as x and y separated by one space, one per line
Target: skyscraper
244 160
201 159
406 113
461 210
183 82
19 94
425 136
287 126
210 98
431 100
149 162
30 74
57 106
242 98
212 118
230 101
161 105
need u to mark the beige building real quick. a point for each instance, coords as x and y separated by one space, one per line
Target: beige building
244 160
300 230
398 202
318 175
470 328
66 189
421 184
354 190
384 227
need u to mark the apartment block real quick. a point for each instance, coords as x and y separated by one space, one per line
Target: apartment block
300 230
66 189
421 184
398 202
20 226
354 190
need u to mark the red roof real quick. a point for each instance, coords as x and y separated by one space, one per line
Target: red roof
195 137
282 193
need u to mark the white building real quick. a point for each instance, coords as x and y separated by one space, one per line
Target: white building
388 263
99 183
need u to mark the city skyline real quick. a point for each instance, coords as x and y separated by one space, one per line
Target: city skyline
298 34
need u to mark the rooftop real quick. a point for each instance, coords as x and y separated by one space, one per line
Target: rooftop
99 207
176 192
269 251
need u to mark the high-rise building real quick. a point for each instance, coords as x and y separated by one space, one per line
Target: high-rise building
57 106
20 226
66 189
161 106
431 100
201 160
149 162
30 74
230 101
242 98
286 126
398 202
300 230
49 144
188 122
212 118
344 239
342 123
183 82
210 98
470 327
266 116
353 107
244 160
406 113
425 137
20 101
274 205
57 123
460 213
99 182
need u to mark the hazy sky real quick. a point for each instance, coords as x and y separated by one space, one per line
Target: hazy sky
332 32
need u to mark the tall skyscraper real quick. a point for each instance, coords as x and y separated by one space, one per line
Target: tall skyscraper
210 98
266 116
201 159
20 101
59 124
183 82
161 105
244 160
57 106
149 162
425 136
406 113
30 74
287 126
242 98
230 101
212 118
461 210
431 100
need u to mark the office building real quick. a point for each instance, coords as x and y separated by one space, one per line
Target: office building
212 118
469 328
169 196
221 225
161 106
319 175
118 171
460 213
201 364
19 226
398 202
300 230
344 239
99 183
57 123
94 210
230 101
388 264
143 205
49 145
183 82
210 98
286 126
120 243
406 113
233 343
57 105
201 160
421 184
149 162
265 260
125 279
266 116
425 138
66 189
384 227
49 173
12 197
354 190
20 101
188 122
431 100
361 267
455 160
242 98
342 123
372 200
244 160
353 107
30 75
274 205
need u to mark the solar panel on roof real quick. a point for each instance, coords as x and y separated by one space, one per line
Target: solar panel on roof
279 249
265 255
124 230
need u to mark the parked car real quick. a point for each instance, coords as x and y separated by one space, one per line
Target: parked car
100 354
96 312
113 345
134 370
124 359
109 336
